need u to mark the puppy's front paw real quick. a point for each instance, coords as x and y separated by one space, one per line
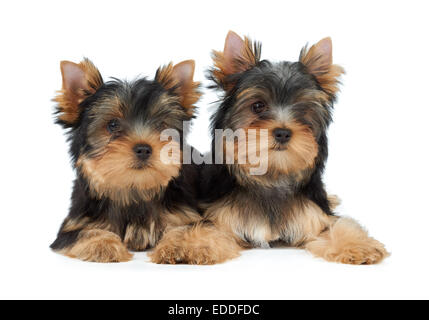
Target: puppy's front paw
166 253
371 252
195 245
347 242
99 246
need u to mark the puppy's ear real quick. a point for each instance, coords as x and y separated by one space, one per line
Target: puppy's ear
180 79
79 82
318 60
238 56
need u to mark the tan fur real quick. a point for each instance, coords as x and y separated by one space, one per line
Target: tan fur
98 246
180 217
186 88
234 228
305 224
164 76
318 60
229 217
113 173
334 201
299 154
249 96
86 223
302 223
299 222
312 96
231 60
347 242
197 244
68 99
225 238
138 238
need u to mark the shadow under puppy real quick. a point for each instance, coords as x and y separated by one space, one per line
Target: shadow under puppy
288 104
125 195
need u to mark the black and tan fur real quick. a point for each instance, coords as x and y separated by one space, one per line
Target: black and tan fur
124 196
288 204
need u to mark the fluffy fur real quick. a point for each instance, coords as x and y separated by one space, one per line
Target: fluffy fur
288 204
124 196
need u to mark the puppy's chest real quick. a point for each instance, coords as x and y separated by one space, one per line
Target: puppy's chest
263 221
140 225
139 237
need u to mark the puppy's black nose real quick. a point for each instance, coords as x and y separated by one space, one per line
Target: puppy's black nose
282 135
143 151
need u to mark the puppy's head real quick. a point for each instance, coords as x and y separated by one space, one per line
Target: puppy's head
292 101
116 126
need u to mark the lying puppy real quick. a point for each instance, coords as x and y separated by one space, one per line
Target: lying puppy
126 194
281 111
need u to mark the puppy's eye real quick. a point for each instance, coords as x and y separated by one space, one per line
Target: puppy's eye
258 107
113 126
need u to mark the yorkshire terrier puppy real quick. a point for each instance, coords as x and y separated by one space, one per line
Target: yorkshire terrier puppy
125 195
289 104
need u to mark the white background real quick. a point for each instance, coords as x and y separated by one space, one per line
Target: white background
378 160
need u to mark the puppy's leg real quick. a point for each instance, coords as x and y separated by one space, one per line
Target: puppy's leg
345 241
332 238
95 245
198 243
334 201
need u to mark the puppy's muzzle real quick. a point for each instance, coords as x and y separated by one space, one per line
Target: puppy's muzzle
142 151
282 135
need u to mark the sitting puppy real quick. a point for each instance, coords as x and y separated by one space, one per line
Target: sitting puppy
288 105
125 194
